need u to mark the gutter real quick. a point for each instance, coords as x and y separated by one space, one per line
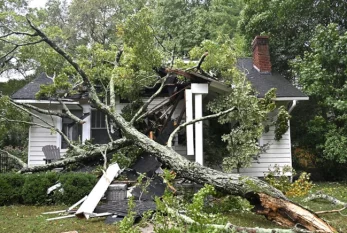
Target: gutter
292 107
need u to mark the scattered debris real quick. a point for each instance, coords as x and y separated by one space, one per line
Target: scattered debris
54 187
120 208
156 188
116 192
61 217
69 210
113 219
98 191
147 164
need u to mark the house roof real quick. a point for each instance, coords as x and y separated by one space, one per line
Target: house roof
28 91
263 82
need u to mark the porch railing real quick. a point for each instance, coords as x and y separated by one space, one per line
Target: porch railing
4 163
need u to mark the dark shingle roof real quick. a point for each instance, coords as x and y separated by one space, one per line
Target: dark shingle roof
264 82
28 91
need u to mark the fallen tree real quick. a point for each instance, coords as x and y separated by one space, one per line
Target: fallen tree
267 200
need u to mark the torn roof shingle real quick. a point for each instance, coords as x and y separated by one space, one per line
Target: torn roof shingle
29 91
262 83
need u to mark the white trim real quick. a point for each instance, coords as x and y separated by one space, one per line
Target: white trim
29 158
199 88
59 126
86 127
290 98
189 117
42 102
199 158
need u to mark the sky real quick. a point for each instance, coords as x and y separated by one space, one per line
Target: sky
37 3
32 4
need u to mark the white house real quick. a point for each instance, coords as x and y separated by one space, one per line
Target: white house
258 72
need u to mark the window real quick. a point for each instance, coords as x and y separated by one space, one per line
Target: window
99 133
71 129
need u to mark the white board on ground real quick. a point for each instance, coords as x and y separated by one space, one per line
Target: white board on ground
98 191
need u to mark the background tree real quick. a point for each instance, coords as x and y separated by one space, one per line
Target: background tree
322 73
290 23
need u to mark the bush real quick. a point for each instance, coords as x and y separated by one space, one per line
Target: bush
11 188
75 186
31 189
35 187
278 179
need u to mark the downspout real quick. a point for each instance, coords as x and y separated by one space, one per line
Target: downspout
289 111
292 107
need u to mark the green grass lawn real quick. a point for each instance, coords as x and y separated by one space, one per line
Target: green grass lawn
337 190
18 219
29 219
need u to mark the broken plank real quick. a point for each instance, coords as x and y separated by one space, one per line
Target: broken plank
61 217
55 212
77 203
69 209
98 191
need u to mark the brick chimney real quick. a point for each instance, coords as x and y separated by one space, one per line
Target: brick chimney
261 55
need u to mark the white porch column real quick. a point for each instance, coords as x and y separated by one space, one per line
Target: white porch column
87 125
198 89
199 157
189 117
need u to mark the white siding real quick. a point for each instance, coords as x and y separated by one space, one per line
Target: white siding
278 153
39 137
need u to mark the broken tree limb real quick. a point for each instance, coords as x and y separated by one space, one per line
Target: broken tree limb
233 228
85 155
169 143
320 195
98 191
15 158
333 200
143 107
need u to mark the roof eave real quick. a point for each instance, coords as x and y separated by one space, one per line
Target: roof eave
291 98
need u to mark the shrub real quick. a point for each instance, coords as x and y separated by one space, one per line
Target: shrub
11 188
278 179
35 187
75 186
31 189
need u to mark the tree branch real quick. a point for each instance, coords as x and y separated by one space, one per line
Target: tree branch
333 200
199 63
145 105
46 112
70 115
51 126
169 142
16 46
233 228
320 195
66 56
18 160
94 152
